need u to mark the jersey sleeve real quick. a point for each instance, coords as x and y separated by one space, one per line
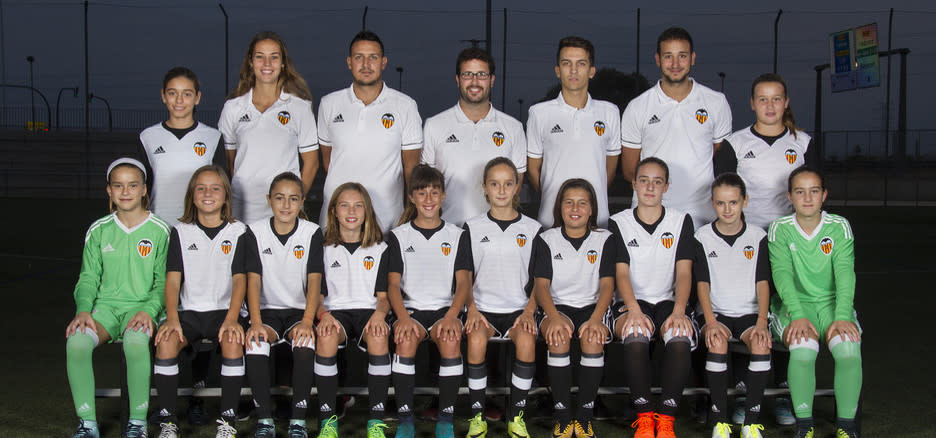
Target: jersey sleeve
412 129
607 266
762 270
726 159
812 157
781 268
613 134
251 253
382 284
621 254
722 127
685 248
220 158
308 132
239 261
534 141
394 256
89 279
631 134
324 131
843 266
463 259
174 257
540 260
519 152
700 267
157 298
427 154
316 262
226 125
143 155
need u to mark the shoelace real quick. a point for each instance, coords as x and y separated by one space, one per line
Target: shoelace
225 430
519 420
83 431
297 430
662 424
580 429
642 422
724 428
375 432
136 430
168 430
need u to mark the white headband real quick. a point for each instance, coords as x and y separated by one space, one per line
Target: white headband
125 160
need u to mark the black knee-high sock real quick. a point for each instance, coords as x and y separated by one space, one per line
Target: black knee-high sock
167 385
258 376
404 379
450 376
675 373
758 370
637 357
591 370
477 384
560 381
326 376
232 377
378 383
520 383
716 368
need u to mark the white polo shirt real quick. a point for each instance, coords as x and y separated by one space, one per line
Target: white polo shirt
173 161
573 143
460 148
682 134
267 144
366 142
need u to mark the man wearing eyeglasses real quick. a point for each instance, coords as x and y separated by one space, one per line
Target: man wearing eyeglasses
461 140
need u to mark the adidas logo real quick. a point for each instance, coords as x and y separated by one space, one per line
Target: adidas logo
244 118
755 408
164 413
653 120
143 406
338 119
449 410
476 405
750 154
256 404
712 255
715 408
589 405
452 139
228 413
193 247
159 150
302 404
556 130
325 408
803 406
640 401
377 407
521 404
485 239
268 251
107 248
633 243
559 405
558 257
410 249
84 408
200 384
670 403
336 264
403 409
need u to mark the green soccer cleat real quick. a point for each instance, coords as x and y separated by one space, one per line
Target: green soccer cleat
86 431
517 427
752 431
329 428
375 429
805 432
841 432
721 430
444 429
477 427
406 430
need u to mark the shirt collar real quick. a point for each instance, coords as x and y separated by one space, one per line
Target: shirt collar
283 97
663 98
561 102
460 116
380 97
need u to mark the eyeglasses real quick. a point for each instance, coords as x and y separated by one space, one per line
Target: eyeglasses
481 75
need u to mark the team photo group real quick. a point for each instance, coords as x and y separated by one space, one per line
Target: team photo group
421 237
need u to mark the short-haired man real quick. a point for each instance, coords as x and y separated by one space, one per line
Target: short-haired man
680 121
573 135
462 139
369 133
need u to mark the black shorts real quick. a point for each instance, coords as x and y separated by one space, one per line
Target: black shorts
428 318
201 325
658 313
736 325
502 322
579 316
352 322
281 321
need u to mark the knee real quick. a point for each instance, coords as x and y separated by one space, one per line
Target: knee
524 342
81 344
303 353
843 350
231 350
477 342
449 348
136 342
804 352
259 349
407 348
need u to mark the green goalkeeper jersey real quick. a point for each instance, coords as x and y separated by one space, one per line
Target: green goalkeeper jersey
815 268
123 266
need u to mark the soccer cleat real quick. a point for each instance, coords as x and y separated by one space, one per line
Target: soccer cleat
584 430
86 431
752 431
721 430
477 427
225 430
644 425
664 426
805 432
783 410
265 431
564 431
298 431
444 429
405 430
375 429
517 427
136 430
329 428
168 430
842 432
737 414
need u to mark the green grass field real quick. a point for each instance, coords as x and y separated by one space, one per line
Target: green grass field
41 255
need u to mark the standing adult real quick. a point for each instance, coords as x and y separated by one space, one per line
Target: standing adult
681 122
573 135
265 120
370 133
461 140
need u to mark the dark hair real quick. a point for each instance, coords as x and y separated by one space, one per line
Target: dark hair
576 183
730 179
474 53
653 160
788 111
366 35
289 79
804 169
422 176
674 34
579 42
184 72
497 161
190 212
293 178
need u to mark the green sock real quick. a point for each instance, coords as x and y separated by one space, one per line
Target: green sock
848 377
78 351
137 351
801 375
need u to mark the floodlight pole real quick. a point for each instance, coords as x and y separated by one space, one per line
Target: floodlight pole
227 63
776 34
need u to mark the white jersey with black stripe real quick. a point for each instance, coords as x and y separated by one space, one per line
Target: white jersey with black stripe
285 266
732 269
576 277
501 259
652 256
207 283
350 278
428 277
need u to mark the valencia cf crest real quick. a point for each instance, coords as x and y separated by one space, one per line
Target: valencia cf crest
226 247
701 115
368 263
144 247
298 251
826 244
498 138
667 239
592 256
200 149
599 128
283 117
521 240
749 252
387 120
790 156
446 248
